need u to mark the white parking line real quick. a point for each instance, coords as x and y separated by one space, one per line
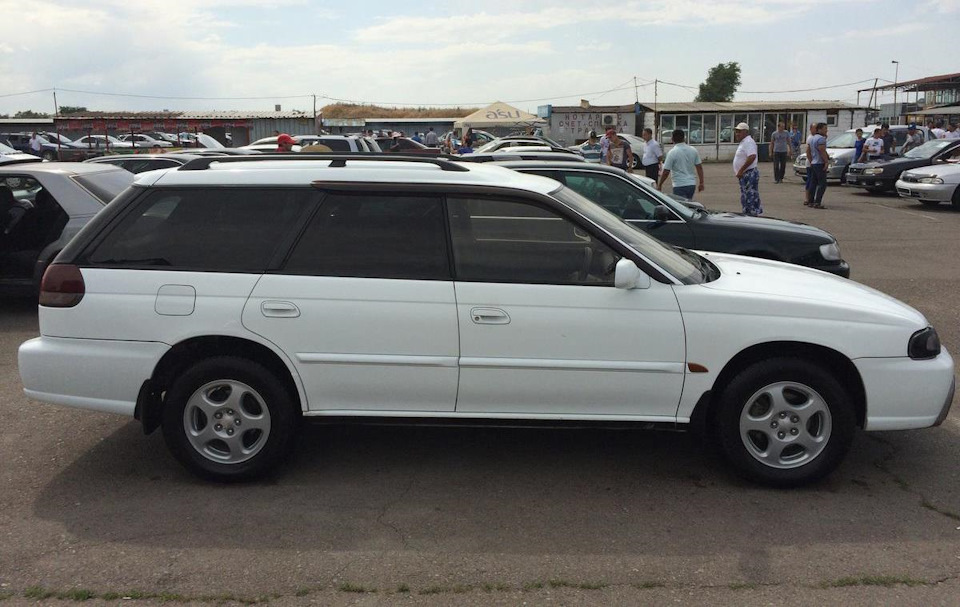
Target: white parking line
883 206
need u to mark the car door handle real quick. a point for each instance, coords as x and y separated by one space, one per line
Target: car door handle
279 309
489 316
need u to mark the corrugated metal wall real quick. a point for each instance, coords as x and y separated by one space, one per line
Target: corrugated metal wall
264 127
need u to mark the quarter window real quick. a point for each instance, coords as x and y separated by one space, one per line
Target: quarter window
374 236
517 242
217 230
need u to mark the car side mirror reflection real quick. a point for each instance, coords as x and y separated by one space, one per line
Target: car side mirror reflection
629 276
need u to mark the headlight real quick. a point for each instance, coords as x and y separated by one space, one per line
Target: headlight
873 171
934 180
830 251
925 343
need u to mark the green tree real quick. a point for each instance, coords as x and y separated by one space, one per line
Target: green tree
72 109
721 83
30 114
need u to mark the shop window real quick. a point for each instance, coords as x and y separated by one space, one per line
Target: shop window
726 128
709 128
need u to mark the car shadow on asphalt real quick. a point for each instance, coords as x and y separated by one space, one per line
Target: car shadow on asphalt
523 491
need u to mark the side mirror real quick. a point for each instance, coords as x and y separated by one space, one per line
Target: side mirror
628 276
660 213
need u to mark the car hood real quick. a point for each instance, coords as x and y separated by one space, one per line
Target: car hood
780 286
897 164
745 222
950 173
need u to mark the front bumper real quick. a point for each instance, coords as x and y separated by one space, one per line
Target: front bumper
904 394
834 173
867 181
937 192
98 374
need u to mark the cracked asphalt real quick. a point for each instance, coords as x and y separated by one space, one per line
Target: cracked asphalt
90 509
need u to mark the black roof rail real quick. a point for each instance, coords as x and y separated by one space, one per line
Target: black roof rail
339 160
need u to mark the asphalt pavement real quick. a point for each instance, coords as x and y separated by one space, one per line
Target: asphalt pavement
91 509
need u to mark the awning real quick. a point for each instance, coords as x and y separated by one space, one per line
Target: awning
498 114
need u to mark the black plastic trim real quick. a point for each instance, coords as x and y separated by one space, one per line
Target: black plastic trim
339 160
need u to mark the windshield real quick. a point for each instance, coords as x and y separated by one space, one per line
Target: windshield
674 205
928 149
107 184
844 140
487 147
684 269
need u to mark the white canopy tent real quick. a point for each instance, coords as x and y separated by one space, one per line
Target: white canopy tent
498 114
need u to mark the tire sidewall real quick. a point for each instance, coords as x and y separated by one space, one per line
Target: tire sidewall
746 383
284 417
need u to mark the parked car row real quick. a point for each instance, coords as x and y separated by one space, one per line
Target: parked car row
841 149
52 145
372 287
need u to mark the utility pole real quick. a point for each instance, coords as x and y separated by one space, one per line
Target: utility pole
636 91
896 75
316 128
656 127
56 114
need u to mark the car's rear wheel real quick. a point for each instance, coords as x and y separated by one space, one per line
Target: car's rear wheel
229 418
785 422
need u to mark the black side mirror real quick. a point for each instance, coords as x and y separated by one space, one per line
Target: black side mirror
661 214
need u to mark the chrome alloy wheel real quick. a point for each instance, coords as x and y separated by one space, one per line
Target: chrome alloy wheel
785 425
226 421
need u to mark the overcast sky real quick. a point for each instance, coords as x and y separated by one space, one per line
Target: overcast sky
448 52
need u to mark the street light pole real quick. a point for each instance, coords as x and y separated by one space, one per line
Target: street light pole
896 74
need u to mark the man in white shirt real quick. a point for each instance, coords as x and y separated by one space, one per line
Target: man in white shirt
935 131
745 168
872 147
952 132
652 155
430 140
35 145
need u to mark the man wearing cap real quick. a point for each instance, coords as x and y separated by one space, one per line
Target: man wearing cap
745 168
285 143
914 139
619 153
591 148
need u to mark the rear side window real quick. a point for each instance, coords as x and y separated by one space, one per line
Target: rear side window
217 230
374 236
336 145
105 185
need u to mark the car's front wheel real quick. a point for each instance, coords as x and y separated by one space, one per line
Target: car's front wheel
635 162
49 155
785 422
229 418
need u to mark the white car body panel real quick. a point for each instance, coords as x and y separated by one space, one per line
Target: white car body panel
362 343
570 350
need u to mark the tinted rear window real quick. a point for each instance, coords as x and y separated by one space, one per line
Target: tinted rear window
222 230
336 145
105 185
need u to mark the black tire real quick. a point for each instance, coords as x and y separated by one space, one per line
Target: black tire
267 391
635 162
49 155
955 201
836 427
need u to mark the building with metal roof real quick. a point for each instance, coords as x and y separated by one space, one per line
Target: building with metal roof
708 125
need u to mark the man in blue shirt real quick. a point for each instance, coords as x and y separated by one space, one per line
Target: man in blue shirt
858 145
682 160
817 166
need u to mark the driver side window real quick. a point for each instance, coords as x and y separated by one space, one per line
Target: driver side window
613 194
519 242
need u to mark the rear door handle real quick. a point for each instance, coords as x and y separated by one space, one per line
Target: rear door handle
489 316
279 309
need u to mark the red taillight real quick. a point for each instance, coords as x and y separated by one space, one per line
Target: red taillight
62 286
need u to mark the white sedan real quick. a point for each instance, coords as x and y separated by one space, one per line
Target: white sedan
932 185
139 140
102 141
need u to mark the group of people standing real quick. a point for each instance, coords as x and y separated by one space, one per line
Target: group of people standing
611 150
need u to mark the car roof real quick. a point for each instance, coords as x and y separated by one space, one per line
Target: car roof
560 164
61 168
278 171
184 156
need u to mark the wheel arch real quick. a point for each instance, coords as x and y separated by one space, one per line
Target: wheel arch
190 351
831 360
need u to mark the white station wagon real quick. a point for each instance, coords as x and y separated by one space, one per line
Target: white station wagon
227 300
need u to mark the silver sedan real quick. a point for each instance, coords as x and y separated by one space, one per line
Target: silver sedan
932 185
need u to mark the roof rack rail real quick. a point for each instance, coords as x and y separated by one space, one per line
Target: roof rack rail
338 160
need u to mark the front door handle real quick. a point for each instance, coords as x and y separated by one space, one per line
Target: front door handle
489 316
279 309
